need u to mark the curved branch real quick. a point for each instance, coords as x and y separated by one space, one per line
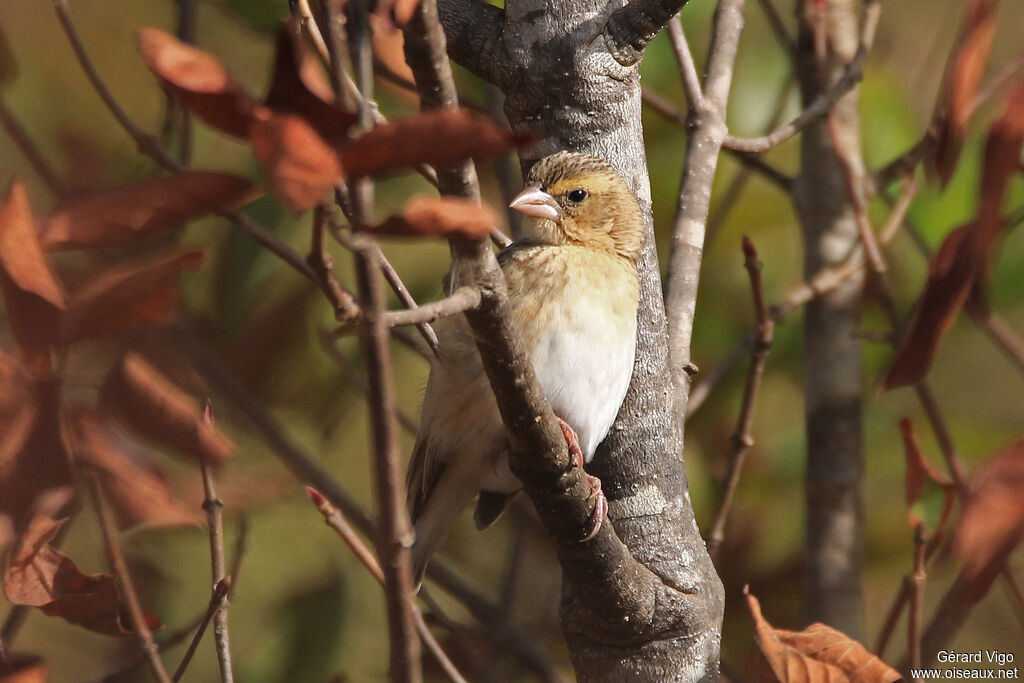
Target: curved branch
474 30
631 27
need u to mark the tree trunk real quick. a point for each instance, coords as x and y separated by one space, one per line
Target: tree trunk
567 81
833 382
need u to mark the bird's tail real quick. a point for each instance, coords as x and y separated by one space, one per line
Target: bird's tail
436 515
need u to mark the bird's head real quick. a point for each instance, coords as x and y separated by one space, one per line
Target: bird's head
573 198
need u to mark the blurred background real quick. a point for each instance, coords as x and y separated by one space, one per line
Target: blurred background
304 608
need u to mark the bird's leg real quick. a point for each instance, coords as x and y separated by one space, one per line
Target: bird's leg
600 502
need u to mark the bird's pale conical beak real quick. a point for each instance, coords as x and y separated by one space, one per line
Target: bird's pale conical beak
537 203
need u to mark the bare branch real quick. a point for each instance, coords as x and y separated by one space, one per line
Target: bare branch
323 265
684 62
24 142
395 534
219 596
334 519
778 27
461 300
694 201
213 507
126 588
917 582
631 27
741 439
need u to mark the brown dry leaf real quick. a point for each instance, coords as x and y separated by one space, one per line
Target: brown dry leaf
32 292
128 295
440 138
992 522
22 669
38 575
199 80
18 409
919 472
297 163
140 209
817 654
149 402
951 275
138 492
447 217
966 67
299 87
963 258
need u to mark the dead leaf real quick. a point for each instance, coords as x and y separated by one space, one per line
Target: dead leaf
151 206
33 294
38 575
199 80
147 401
138 492
297 163
18 408
992 522
299 87
963 258
919 472
128 295
963 76
817 654
447 217
22 669
440 138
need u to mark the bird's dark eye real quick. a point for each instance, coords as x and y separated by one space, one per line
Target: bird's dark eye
577 196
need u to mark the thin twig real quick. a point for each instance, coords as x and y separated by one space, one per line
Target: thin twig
323 265
335 520
778 28
741 439
215 520
126 589
394 280
220 593
394 535
917 582
685 64
35 158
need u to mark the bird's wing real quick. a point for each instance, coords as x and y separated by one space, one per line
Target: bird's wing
425 469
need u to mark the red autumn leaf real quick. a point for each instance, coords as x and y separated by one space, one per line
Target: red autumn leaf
153 205
22 669
441 138
126 296
199 80
299 87
138 492
963 258
818 654
297 163
992 522
32 292
150 403
963 76
38 575
448 216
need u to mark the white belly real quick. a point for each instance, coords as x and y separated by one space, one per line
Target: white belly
584 363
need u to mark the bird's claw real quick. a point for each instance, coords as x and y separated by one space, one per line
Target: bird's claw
600 507
572 441
600 502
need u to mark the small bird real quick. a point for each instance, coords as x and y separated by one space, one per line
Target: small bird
573 290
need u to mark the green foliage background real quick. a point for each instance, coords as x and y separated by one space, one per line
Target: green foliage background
305 610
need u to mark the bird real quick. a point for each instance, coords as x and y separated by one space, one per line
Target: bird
573 293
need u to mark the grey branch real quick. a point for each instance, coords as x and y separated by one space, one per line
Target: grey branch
631 27
474 31
461 300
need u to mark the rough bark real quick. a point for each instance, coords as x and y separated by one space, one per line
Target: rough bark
833 383
562 80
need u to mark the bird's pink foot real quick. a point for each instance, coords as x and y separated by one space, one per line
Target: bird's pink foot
572 441
600 502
